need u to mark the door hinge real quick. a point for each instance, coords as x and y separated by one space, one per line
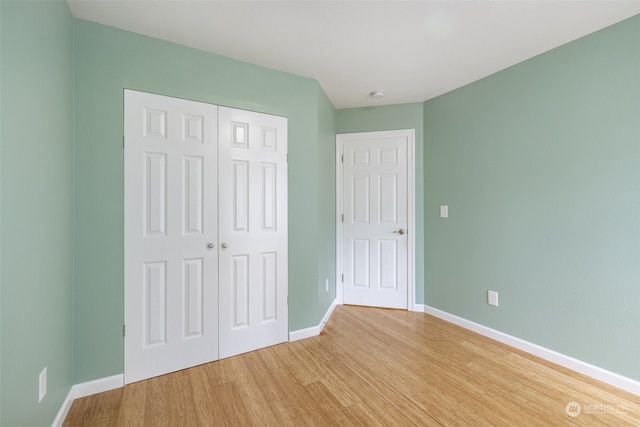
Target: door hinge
342 217
342 279
124 330
287 299
342 158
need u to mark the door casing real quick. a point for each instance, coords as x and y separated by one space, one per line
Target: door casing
411 237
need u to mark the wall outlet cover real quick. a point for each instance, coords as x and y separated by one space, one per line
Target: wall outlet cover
42 385
492 298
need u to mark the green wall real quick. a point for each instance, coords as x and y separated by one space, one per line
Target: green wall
36 175
326 203
395 117
1 236
539 165
108 60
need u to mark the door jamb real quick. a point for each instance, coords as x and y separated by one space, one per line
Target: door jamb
410 134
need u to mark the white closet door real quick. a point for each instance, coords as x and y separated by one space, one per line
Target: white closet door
171 235
253 230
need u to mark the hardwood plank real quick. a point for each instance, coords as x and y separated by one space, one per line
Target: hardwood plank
332 410
134 395
205 397
230 406
372 367
100 410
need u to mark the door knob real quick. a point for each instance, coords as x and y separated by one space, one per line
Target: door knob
401 231
224 246
210 246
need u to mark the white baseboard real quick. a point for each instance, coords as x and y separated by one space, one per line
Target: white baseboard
419 308
87 389
64 410
313 331
98 386
608 377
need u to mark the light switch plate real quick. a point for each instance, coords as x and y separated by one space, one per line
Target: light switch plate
492 298
444 211
42 384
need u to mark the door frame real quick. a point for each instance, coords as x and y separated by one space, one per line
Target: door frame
410 134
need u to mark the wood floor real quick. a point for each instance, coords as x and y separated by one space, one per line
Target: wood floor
372 367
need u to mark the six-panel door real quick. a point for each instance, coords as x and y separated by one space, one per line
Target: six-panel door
205 187
253 230
171 234
375 220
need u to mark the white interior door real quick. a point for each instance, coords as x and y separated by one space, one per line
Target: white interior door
171 234
375 223
253 231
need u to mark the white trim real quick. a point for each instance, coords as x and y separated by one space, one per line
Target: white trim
339 210
421 308
411 218
98 386
64 410
313 331
87 389
600 374
410 134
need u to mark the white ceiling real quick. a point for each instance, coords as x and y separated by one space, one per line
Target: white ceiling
412 50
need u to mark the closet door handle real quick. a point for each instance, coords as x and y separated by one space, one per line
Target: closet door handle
210 246
224 246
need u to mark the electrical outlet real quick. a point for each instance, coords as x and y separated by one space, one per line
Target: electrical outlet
326 285
42 385
492 298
